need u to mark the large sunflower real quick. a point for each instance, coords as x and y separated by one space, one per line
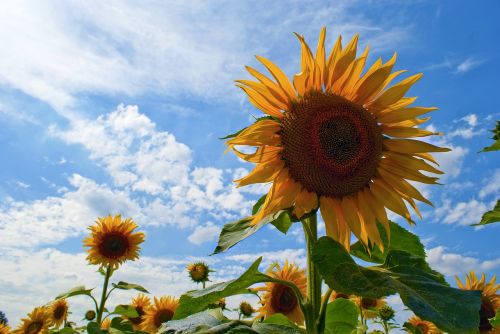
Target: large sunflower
58 312
426 327
112 241
490 300
162 311
37 322
4 329
278 298
141 304
337 139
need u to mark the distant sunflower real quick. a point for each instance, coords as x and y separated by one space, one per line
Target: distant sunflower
106 323
141 304
490 300
278 298
37 322
337 140
112 241
369 306
58 312
339 295
162 311
198 272
4 329
426 327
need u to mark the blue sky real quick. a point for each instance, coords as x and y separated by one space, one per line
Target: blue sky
118 107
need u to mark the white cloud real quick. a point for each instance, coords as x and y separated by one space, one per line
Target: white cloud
468 64
461 213
491 185
457 65
204 233
296 256
455 264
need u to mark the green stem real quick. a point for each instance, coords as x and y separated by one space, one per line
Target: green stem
322 311
203 285
386 327
313 305
103 296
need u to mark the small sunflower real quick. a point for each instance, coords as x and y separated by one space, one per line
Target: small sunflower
112 242
490 300
338 295
162 311
90 315
58 312
141 304
369 306
4 329
279 298
426 327
246 309
386 313
37 322
198 272
338 140
106 323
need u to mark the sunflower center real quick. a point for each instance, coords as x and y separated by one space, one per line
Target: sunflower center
368 303
486 312
341 295
34 327
114 245
137 320
283 299
330 145
59 312
423 328
162 316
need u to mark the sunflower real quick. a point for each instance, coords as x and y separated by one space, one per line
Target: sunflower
112 242
141 304
4 329
279 298
369 306
336 140
339 295
106 323
426 327
37 322
58 312
246 309
198 272
490 300
162 311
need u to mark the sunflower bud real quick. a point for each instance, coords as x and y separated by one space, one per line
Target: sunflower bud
386 313
198 272
90 315
246 309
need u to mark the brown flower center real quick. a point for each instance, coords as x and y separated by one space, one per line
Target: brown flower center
486 312
341 295
423 328
283 299
34 327
162 316
368 303
137 320
114 245
330 145
59 312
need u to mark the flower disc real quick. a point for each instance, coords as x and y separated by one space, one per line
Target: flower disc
283 299
330 145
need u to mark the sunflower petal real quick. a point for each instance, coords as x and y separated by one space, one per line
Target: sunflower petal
262 173
305 202
396 92
260 102
412 146
280 77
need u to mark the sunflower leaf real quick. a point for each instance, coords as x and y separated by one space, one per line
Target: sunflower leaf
401 239
492 216
126 310
341 317
496 136
268 328
129 286
94 328
194 323
421 289
278 319
76 291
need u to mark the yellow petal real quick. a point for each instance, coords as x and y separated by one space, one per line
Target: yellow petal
390 200
372 85
262 173
378 209
335 225
406 132
330 63
408 161
273 87
403 186
308 64
427 157
368 220
412 146
262 154
260 102
396 92
346 57
349 211
263 132
399 115
304 203
320 55
280 77
407 173
413 122
357 69
300 82
265 92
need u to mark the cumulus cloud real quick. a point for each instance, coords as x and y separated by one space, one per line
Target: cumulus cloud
204 233
461 213
455 264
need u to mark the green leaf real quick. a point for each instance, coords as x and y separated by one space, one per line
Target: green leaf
120 326
258 204
341 317
496 136
79 290
126 310
421 289
495 322
67 330
94 328
401 239
198 300
492 216
279 319
234 232
283 222
129 286
193 323
266 328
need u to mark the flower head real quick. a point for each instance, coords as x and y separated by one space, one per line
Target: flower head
426 327
338 140
198 272
141 304
279 298
490 299
37 322
161 311
369 306
246 309
58 312
112 241
386 313
90 315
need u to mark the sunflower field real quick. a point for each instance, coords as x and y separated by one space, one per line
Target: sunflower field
340 144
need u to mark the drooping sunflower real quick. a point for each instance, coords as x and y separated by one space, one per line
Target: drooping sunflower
279 298
338 140
37 322
58 312
246 309
112 241
490 300
4 329
141 304
162 311
426 327
369 306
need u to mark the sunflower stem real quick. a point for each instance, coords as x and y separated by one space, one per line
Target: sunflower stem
312 314
104 296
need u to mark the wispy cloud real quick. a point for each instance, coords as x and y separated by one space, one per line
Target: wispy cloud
456 65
